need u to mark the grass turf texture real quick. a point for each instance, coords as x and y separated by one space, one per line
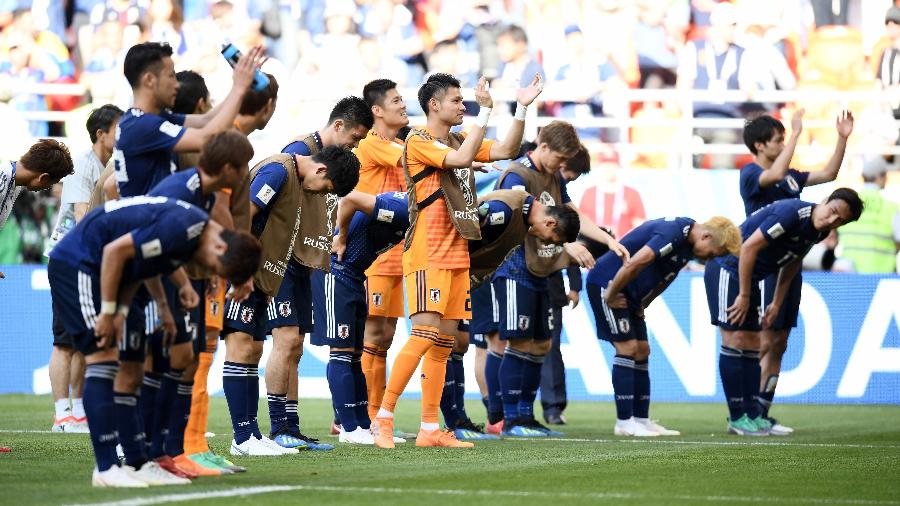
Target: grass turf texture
840 455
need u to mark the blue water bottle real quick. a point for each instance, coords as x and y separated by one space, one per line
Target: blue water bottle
232 55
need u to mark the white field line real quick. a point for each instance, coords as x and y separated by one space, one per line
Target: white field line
248 491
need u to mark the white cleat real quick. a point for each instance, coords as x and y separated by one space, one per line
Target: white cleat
780 430
116 477
277 447
631 428
209 434
359 436
397 440
253 448
652 426
153 475
79 426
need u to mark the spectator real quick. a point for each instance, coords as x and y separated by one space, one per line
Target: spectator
658 34
764 64
26 66
872 242
391 25
887 61
519 66
165 24
610 203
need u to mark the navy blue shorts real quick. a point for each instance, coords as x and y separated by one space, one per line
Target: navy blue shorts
523 313
292 307
790 308
721 289
185 320
485 315
340 310
615 325
76 296
60 336
248 317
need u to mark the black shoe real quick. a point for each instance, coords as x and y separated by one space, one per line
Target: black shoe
467 424
531 423
555 419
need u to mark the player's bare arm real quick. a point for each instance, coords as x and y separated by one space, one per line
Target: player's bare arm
626 274
786 275
844 127
780 166
352 202
590 230
509 147
737 313
465 155
115 254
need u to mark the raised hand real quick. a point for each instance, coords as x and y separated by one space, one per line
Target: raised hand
797 121
482 95
245 70
844 124
526 95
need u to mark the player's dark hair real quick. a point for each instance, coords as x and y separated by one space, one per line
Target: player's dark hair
435 87
342 168
192 88
852 199
255 101
525 148
375 91
48 156
353 111
761 129
596 248
228 147
144 57
515 32
242 258
580 163
567 222
560 136
102 118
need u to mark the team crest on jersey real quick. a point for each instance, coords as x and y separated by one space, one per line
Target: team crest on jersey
624 325
435 295
343 331
524 321
792 183
247 315
214 308
284 309
376 299
546 199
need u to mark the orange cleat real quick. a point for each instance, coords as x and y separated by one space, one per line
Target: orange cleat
441 438
494 429
168 463
383 430
186 464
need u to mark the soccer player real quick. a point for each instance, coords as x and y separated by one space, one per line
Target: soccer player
149 133
768 179
437 166
281 187
290 316
776 238
368 225
619 293
95 271
380 172
521 287
44 165
66 364
256 110
222 166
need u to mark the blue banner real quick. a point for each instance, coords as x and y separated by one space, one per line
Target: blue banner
845 350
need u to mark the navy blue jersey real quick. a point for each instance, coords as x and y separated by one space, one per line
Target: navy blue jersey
299 147
264 190
165 231
515 267
788 228
668 238
494 217
143 152
756 197
184 185
369 235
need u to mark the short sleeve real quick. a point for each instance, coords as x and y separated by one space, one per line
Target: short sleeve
149 133
389 209
484 152
78 186
266 185
778 223
799 176
662 244
174 229
512 181
750 180
297 148
429 152
173 117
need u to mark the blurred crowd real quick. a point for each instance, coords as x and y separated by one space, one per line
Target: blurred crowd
586 50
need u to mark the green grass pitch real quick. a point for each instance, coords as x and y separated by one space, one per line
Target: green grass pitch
839 455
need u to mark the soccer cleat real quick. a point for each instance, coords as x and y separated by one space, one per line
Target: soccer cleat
336 428
466 430
168 463
652 426
399 434
517 428
762 425
277 447
631 428
63 424
224 463
116 477
531 423
778 429
79 426
286 440
383 432
442 438
208 435
253 447
311 442
359 436
189 465
743 426
494 428
154 474
203 460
